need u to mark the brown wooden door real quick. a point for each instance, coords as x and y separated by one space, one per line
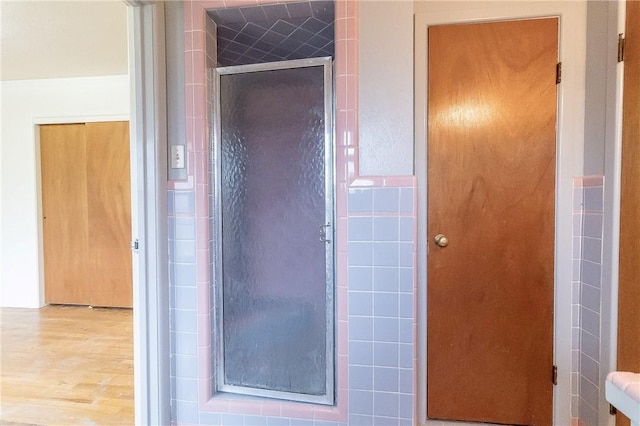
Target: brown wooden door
628 288
491 190
64 211
109 202
86 213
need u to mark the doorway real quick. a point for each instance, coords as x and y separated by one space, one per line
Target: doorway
274 231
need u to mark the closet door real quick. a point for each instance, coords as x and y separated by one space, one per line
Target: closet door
64 208
86 213
109 214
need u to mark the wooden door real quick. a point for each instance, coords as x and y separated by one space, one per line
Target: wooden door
64 211
628 288
491 191
86 213
109 212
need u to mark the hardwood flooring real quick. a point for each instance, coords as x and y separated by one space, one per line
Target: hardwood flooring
66 365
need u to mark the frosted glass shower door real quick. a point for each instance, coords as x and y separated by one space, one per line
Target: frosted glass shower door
275 278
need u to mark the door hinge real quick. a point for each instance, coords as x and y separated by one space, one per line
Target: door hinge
554 374
620 48
558 72
613 410
135 245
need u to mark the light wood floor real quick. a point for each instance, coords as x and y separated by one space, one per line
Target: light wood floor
66 365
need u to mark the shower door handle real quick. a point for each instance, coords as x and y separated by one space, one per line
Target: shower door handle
323 233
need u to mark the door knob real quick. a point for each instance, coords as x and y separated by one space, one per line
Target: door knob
441 240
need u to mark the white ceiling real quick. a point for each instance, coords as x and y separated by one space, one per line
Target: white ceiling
56 39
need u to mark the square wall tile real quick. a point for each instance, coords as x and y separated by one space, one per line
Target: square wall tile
184 202
385 404
405 406
386 228
406 229
592 249
385 379
361 377
185 344
406 279
360 278
360 353
360 420
590 321
405 254
360 328
186 412
360 229
386 279
406 200
385 253
588 392
360 254
360 200
405 380
360 402
207 418
186 389
385 304
185 228
186 366
405 355
184 251
183 274
593 225
589 369
255 420
593 198
385 354
386 200
590 297
405 305
591 273
405 333
590 345
385 329
360 303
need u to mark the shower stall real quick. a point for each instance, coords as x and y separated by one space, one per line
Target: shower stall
273 230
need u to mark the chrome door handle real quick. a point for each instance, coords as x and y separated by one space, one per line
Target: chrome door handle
323 233
441 240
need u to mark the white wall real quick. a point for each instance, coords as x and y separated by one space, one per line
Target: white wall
25 104
386 87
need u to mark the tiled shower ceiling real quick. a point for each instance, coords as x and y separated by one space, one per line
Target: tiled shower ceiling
276 32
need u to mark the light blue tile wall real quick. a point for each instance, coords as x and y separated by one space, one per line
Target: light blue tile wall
381 299
380 305
183 306
586 302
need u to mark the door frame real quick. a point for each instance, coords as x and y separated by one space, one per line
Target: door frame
148 130
570 136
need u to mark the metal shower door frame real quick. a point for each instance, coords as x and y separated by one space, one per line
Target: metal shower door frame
329 168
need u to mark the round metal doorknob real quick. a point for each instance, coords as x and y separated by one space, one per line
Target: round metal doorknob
441 240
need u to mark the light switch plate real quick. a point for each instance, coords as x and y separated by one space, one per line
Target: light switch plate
177 156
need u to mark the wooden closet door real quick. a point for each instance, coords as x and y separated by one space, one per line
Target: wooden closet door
109 214
64 207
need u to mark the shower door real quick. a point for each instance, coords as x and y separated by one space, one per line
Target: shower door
273 196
